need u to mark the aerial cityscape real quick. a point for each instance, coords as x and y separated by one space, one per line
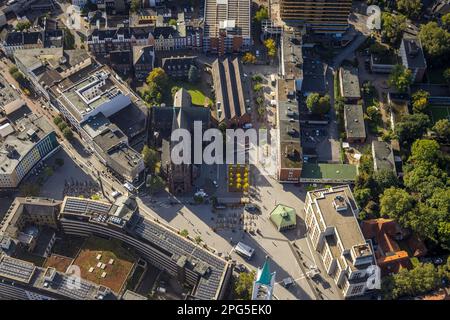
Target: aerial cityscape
224 150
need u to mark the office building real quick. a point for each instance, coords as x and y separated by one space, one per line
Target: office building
26 139
334 232
319 16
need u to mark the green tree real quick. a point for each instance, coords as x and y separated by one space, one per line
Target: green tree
62 125
193 74
412 127
23 25
425 150
446 21
262 14
400 78
317 104
173 22
249 58
198 239
385 179
159 77
152 94
373 113
411 8
67 133
150 157
446 75
392 27
57 120
135 5
243 285
184 233
435 40
420 101
13 69
421 279
424 178
271 47
156 184
95 197
363 196
395 203
69 40
442 129
257 87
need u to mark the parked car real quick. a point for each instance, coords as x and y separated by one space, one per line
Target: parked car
252 208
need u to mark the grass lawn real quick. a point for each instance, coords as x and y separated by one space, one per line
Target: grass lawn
116 273
194 89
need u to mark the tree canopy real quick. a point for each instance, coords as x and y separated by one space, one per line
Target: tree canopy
244 285
400 78
411 8
271 47
420 101
442 129
392 27
318 104
150 157
261 14
412 127
435 40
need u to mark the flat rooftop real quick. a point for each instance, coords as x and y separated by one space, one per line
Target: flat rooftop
350 82
354 121
329 171
344 221
21 137
383 156
290 151
234 16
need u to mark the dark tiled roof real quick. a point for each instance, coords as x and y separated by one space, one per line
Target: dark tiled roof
178 62
165 32
414 53
120 57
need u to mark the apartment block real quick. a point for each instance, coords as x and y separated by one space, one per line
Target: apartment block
227 26
25 140
319 16
335 234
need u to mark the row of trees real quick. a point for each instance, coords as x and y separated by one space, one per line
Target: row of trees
65 129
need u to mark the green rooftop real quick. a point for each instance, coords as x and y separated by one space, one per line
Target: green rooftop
329 172
283 217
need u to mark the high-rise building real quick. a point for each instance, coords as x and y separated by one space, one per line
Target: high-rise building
321 16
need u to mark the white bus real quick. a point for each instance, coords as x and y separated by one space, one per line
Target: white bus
244 250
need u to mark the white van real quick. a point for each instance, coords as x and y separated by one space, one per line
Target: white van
116 194
128 186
